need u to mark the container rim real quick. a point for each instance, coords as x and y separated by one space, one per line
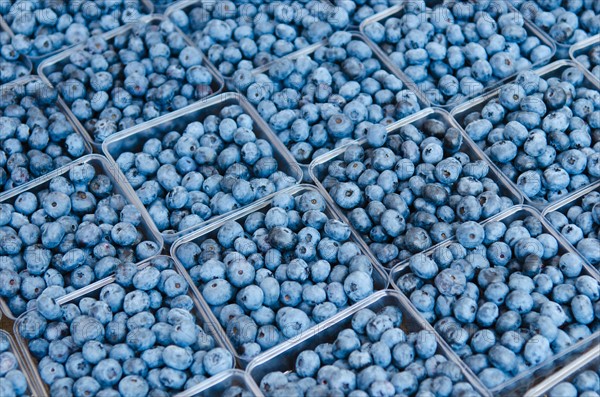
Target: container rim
513 382
34 60
532 29
379 273
200 318
219 378
216 100
554 67
88 148
335 321
108 36
128 194
424 114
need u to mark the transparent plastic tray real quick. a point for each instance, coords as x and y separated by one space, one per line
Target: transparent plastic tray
583 48
283 357
93 291
555 69
102 166
22 82
398 11
385 65
523 381
216 385
562 50
563 206
58 62
588 361
318 167
188 5
134 138
147 9
380 280
33 389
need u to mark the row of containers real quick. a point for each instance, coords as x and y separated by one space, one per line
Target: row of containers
328 8
49 67
537 380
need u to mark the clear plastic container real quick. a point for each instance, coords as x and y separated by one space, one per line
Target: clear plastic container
283 357
555 69
379 276
147 9
93 291
20 84
524 380
58 62
563 206
566 373
102 166
399 10
188 5
562 50
318 168
583 48
216 385
133 139
33 389
385 65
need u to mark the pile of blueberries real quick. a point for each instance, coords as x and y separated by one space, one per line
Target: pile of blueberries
63 235
591 60
213 167
327 97
41 28
137 336
372 356
13 382
542 133
363 9
12 64
409 190
580 225
35 136
278 273
567 22
247 36
587 383
150 70
457 49
505 296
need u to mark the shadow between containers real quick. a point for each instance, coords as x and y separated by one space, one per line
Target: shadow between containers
101 165
398 10
135 137
554 69
377 54
59 60
22 82
94 290
379 276
318 166
283 357
148 9
519 384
